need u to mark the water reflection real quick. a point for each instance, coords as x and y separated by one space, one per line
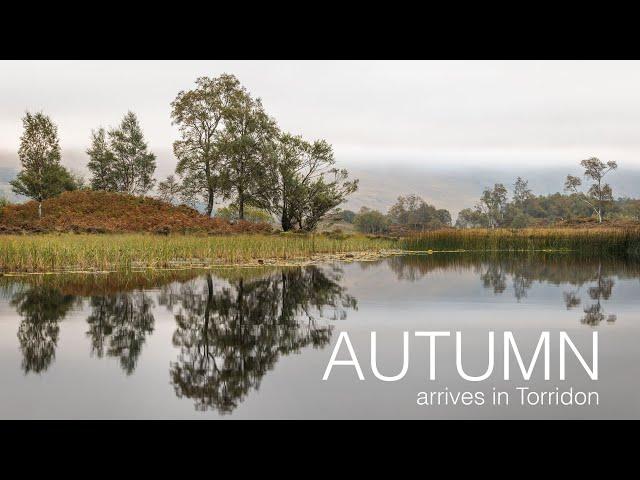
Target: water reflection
523 271
119 325
231 336
230 328
41 309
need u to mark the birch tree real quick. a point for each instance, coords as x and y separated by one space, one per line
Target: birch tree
599 193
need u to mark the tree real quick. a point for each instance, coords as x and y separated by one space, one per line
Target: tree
169 190
119 325
413 212
493 203
599 194
300 184
246 145
371 221
201 115
41 176
231 335
133 164
521 192
471 218
251 214
101 162
42 308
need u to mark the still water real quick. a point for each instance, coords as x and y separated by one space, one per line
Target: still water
255 343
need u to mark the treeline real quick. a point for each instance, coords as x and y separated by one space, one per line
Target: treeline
497 207
230 150
409 213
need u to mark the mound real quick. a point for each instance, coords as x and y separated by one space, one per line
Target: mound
107 212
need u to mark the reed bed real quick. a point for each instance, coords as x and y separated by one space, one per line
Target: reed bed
596 241
86 252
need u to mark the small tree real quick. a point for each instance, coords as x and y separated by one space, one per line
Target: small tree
371 221
599 193
493 203
133 165
41 176
251 214
521 192
101 162
169 190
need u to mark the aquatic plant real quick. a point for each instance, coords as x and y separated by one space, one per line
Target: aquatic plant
59 252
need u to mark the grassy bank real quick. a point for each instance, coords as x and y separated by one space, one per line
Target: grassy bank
126 252
59 252
595 241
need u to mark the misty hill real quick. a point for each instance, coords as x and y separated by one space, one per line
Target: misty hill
453 188
458 188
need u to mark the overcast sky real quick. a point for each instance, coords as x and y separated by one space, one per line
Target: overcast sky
424 113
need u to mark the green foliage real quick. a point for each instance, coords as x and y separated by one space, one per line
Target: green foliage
245 143
119 160
231 149
471 218
371 221
347 216
599 194
41 176
300 184
251 214
101 162
170 190
201 115
133 165
413 212
493 204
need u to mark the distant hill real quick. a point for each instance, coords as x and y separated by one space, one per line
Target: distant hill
97 212
457 188
444 186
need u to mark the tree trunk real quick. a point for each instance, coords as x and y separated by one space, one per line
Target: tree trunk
39 209
210 202
285 221
240 207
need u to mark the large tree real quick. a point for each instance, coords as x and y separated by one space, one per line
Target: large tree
201 115
599 193
133 164
301 184
41 176
247 147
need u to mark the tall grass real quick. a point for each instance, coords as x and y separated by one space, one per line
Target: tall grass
596 241
51 252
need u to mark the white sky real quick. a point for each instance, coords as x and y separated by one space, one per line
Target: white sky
456 113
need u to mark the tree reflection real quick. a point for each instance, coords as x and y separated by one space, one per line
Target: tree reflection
231 335
41 309
594 274
119 325
594 314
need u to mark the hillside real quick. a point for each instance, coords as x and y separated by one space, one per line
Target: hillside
106 212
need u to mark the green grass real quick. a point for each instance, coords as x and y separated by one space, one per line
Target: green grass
63 252
127 252
594 241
